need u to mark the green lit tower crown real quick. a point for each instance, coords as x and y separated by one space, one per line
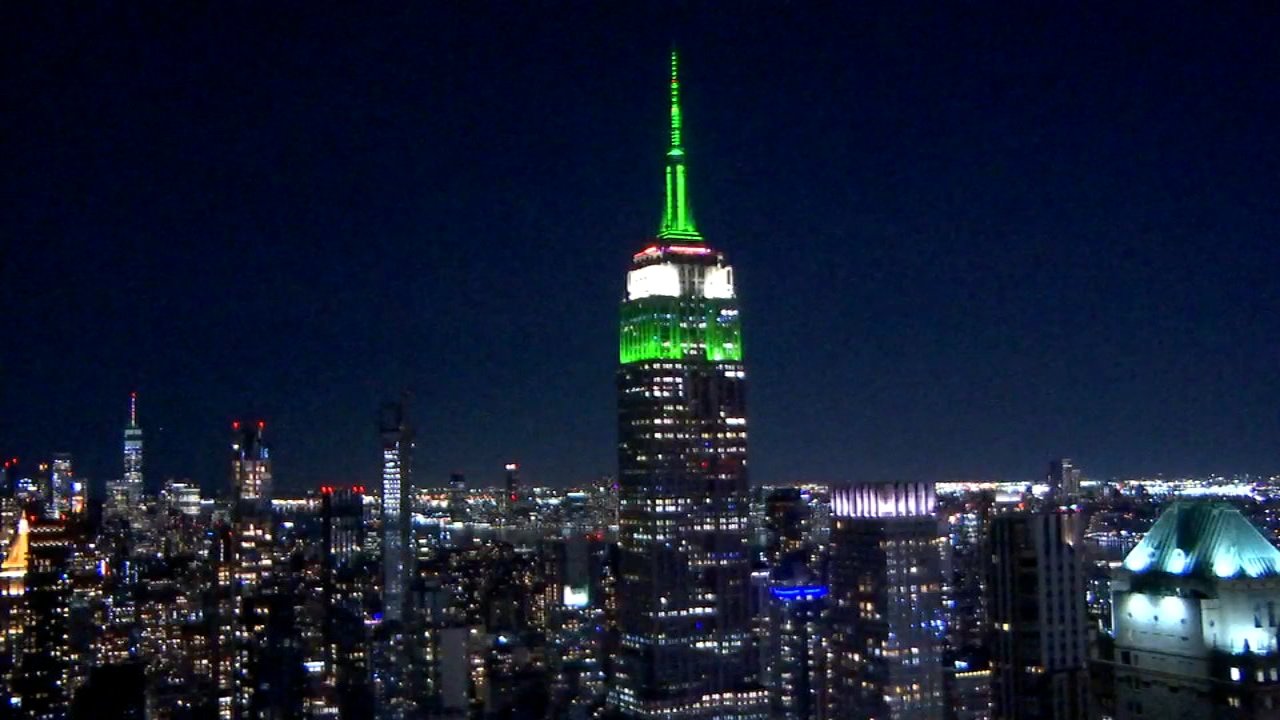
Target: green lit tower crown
682 461
680 300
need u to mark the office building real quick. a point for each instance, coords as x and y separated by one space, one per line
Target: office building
397 480
66 493
42 681
125 494
1064 480
458 510
886 614
682 458
1039 617
796 647
515 501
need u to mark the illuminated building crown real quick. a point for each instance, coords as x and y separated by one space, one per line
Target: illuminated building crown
1204 539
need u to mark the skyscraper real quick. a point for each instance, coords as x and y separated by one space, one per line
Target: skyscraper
240 612
42 680
124 494
62 485
796 646
1037 608
133 449
514 497
682 457
397 478
458 497
886 614
1064 479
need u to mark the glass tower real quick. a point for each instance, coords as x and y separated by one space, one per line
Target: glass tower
133 450
397 449
682 458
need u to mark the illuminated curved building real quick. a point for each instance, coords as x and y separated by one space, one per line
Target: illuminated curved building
886 612
682 457
1196 610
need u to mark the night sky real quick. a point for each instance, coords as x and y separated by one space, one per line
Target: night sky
967 239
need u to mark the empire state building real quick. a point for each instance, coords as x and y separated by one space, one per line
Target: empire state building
682 460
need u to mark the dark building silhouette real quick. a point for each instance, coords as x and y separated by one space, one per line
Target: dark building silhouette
1040 627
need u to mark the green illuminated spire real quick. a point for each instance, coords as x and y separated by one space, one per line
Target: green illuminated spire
677 219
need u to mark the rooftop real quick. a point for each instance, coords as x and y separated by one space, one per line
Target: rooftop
1207 540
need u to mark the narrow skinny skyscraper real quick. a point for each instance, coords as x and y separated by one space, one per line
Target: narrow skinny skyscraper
682 457
397 453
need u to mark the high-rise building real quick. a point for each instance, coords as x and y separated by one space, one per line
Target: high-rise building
64 490
513 497
787 519
397 479
682 457
1064 479
343 582
458 511
1037 610
796 649
1196 608
251 481
886 614
967 677
124 495
965 560
243 614
41 684
133 450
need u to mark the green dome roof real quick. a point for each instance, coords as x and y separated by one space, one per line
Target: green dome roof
1204 539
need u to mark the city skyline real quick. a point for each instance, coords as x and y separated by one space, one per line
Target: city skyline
982 266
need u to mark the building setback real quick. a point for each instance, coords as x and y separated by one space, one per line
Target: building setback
682 458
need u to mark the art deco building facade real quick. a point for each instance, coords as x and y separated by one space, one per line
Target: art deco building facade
886 614
1196 612
682 456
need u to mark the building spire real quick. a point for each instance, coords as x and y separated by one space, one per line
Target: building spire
133 409
677 218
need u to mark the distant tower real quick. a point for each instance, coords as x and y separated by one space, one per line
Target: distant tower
1064 480
1037 609
343 526
397 479
250 466
514 497
885 568
133 449
62 485
458 498
240 614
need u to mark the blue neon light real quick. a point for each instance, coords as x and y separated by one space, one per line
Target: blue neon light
802 592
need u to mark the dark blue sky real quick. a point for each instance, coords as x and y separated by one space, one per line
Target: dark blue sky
967 238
